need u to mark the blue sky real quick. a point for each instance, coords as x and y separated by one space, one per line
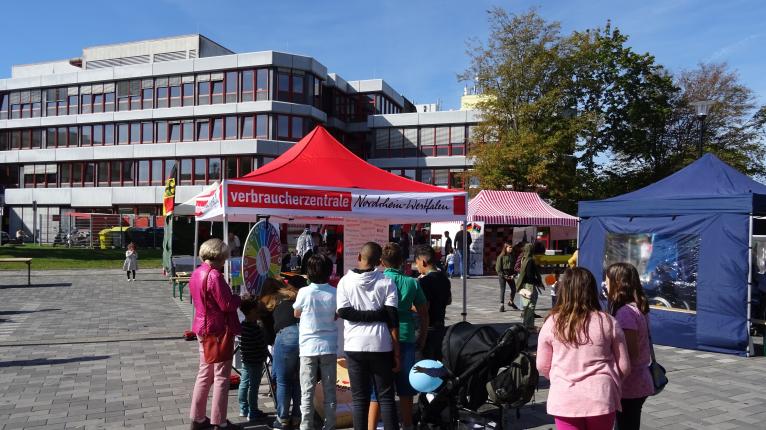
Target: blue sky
418 46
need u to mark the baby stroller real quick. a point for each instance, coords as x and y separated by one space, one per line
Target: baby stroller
476 391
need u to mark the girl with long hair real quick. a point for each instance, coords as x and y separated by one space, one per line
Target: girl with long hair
582 351
629 306
278 299
528 284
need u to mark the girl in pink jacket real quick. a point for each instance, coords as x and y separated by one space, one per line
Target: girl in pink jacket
582 351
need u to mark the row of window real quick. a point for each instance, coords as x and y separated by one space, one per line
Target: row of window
421 141
125 173
171 91
356 107
280 127
450 178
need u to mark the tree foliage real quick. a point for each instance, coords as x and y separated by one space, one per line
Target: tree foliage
583 116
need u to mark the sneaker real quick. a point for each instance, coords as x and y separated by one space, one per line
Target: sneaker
538 316
279 424
513 306
229 426
205 424
257 415
242 414
502 308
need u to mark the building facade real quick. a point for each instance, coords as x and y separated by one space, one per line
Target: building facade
102 132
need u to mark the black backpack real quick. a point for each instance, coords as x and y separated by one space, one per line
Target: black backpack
515 385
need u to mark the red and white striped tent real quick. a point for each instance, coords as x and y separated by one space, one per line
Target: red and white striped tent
516 208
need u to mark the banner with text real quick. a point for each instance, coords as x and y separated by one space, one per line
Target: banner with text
356 233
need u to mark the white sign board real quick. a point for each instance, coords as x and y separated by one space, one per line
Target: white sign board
476 262
358 232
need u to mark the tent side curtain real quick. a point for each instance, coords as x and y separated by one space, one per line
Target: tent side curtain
710 276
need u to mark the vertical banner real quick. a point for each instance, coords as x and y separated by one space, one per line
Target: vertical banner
358 232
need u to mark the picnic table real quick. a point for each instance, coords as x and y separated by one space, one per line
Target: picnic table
179 281
28 261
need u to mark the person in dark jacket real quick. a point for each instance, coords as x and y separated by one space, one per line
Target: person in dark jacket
528 284
252 346
504 266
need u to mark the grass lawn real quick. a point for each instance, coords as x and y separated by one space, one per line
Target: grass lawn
48 257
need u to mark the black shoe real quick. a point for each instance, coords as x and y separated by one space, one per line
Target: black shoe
502 308
513 306
229 426
200 426
537 316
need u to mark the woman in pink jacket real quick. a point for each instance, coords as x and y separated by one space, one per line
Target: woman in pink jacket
582 351
215 312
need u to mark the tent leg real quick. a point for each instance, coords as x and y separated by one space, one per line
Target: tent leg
464 269
750 347
196 244
227 271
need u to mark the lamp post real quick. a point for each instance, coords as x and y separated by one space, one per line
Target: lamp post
701 109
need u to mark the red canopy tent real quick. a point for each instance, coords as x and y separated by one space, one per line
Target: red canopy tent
319 178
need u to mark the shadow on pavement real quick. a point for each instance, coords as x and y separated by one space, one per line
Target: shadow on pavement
61 284
28 312
51 362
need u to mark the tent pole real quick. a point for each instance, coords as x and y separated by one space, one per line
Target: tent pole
464 269
750 348
227 266
196 243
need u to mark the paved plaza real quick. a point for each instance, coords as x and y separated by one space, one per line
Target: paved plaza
86 349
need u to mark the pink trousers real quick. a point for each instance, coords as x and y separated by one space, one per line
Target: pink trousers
217 376
600 422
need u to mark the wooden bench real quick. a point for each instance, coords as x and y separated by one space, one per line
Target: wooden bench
28 261
179 282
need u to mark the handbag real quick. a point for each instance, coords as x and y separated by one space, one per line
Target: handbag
659 378
215 349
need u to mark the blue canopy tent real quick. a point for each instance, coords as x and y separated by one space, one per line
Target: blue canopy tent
690 236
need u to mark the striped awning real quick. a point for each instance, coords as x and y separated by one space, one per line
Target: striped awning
516 208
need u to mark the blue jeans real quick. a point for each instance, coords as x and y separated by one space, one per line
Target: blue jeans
407 360
286 371
248 388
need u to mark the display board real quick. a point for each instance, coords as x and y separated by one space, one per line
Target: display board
261 257
476 250
358 232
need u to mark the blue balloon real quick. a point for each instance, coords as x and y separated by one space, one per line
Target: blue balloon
426 375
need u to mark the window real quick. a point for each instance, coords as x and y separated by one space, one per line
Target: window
185 176
231 86
122 133
246 127
397 142
175 131
162 131
442 141
147 132
37 138
128 173
147 97
135 132
203 130
86 135
168 170
231 127
108 100
115 173
248 82
245 165
98 135
426 176
77 174
65 175
89 173
298 95
175 91
108 134
163 93
3 106
86 103
262 126
457 140
203 90
317 92
200 169
410 142
73 137
456 178
143 174
297 127
50 139
98 103
188 93
26 139
213 170
441 177
187 128
427 141
231 168
103 173
283 86
156 174
61 140
283 127
216 129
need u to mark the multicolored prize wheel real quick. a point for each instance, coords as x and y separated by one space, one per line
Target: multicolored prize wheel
262 256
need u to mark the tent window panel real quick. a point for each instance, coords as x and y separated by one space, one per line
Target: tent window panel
667 265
